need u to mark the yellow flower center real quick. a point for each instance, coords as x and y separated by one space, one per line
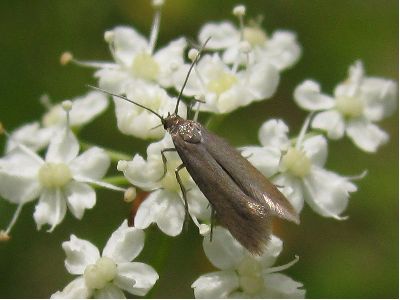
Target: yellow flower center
54 175
145 67
250 276
254 35
99 274
296 162
351 107
222 83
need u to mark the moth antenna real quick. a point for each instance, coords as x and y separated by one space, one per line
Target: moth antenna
188 74
126 99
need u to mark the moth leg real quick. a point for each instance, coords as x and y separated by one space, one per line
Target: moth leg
164 159
178 178
213 219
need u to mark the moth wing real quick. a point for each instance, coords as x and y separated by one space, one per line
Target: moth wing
246 219
247 177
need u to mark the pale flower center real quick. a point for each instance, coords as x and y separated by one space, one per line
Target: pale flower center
254 35
296 162
351 107
250 276
99 274
144 66
169 182
222 83
54 175
54 116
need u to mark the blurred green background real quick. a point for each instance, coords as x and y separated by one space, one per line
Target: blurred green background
356 258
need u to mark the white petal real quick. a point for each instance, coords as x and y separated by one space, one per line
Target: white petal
128 42
80 196
228 101
331 121
86 108
271 252
142 173
124 244
51 208
265 159
18 176
64 147
222 35
92 163
263 79
113 80
327 193
198 203
80 253
316 149
164 208
367 136
224 252
31 135
292 189
274 133
76 289
308 96
281 286
169 58
215 285
135 278
110 291
380 98
283 49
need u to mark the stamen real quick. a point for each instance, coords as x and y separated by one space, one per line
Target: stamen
130 195
155 27
283 267
67 58
359 176
192 54
239 11
303 131
67 106
46 101
5 234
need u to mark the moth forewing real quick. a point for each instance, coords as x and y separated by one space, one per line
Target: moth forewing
240 203
248 178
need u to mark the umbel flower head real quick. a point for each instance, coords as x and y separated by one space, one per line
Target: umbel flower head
60 180
243 275
37 136
357 104
299 168
108 274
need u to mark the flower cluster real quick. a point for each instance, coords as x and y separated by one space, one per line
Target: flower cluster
237 65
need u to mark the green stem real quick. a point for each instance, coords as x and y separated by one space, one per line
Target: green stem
160 259
114 155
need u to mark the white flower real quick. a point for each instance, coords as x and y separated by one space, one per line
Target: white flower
139 122
106 276
164 205
300 169
36 137
135 59
281 49
59 181
243 275
357 103
226 89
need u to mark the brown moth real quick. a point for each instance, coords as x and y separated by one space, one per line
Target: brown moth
241 198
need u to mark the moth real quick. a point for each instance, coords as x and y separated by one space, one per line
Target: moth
241 198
